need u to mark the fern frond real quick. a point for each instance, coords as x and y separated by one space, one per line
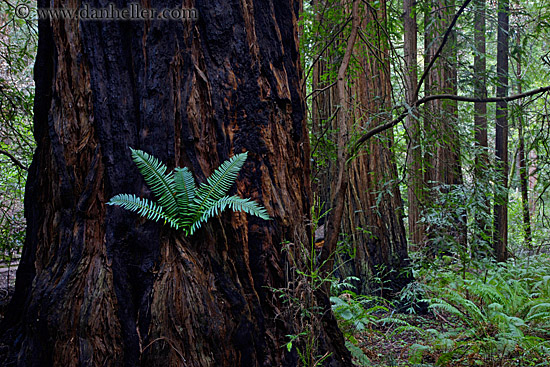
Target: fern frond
185 195
143 207
161 183
486 291
212 208
219 183
443 305
358 354
539 312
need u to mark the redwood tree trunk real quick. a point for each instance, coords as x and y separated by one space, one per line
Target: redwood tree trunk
442 153
99 286
415 182
500 234
373 216
373 225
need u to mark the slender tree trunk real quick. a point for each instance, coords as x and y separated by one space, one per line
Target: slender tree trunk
339 185
483 230
533 179
442 156
522 159
415 183
324 108
99 286
500 235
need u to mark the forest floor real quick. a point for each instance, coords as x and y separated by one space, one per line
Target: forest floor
497 317
386 346
379 335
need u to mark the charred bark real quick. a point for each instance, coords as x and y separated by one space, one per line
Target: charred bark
100 286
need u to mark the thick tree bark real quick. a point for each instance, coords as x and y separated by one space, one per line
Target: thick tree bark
99 286
500 234
373 215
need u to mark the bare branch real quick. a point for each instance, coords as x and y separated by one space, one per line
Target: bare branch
380 128
443 42
15 161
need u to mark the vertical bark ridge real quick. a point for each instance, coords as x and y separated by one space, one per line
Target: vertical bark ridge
102 286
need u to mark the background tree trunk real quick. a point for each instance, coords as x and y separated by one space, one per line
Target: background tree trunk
522 161
483 231
442 153
372 212
415 189
373 215
324 108
500 234
99 286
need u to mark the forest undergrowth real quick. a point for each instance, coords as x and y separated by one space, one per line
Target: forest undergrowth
498 316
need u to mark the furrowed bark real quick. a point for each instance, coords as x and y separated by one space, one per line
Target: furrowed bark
373 217
99 286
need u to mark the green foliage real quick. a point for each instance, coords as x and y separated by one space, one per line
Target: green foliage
18 42
502 313
182 204
359 314
356 311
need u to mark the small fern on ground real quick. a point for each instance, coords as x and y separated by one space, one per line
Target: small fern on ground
496 315
182 204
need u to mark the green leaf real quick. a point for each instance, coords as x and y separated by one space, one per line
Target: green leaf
219 183
212 208
185 194
143 207
180 203
161 183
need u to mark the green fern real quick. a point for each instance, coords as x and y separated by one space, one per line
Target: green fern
180 203
143 207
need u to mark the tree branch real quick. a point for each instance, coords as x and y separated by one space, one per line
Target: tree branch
16 161
380 128
443 42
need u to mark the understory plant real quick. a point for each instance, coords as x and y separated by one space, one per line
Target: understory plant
363 316
181 203
500 316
